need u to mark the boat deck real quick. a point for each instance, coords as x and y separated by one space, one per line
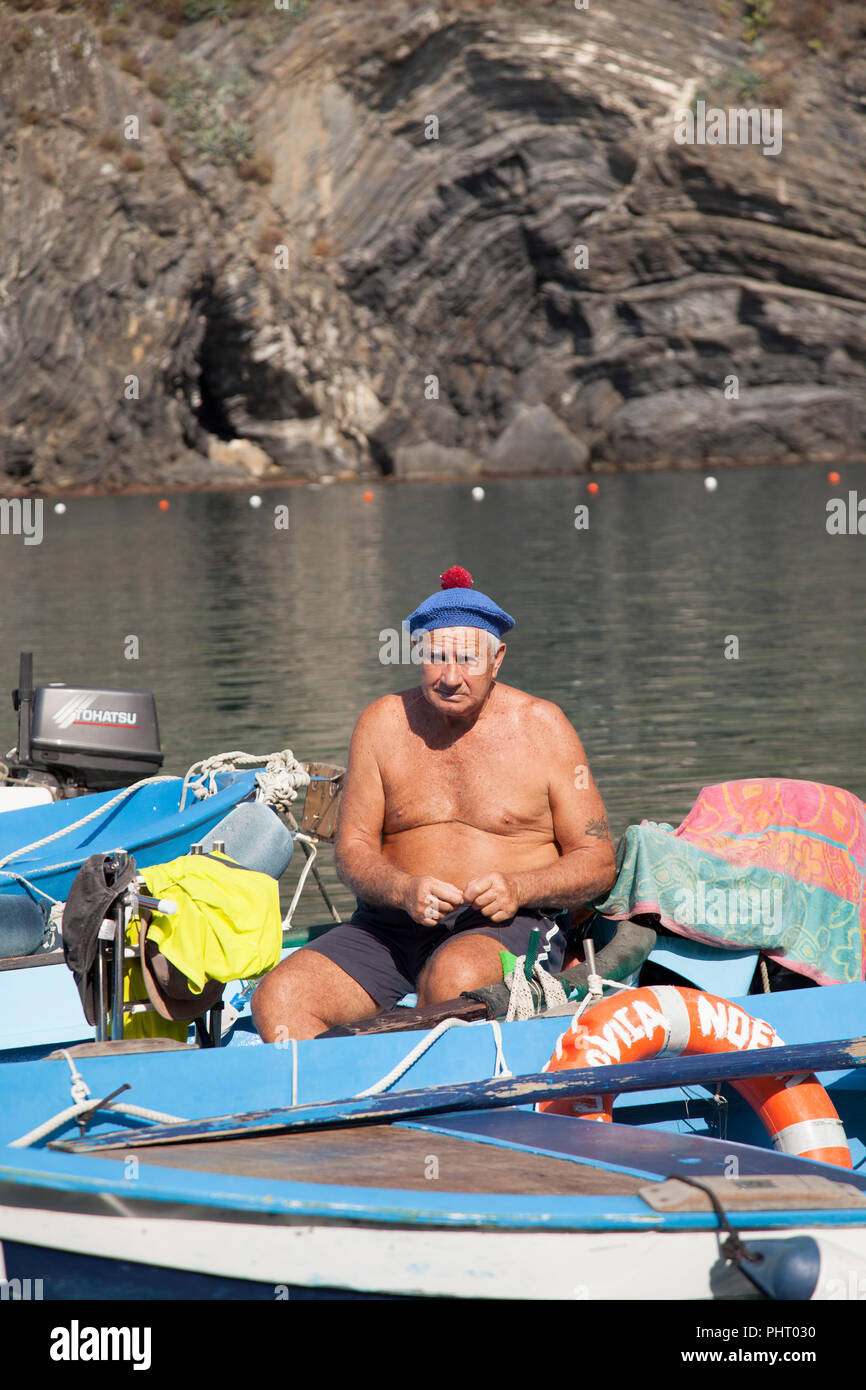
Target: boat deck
389 1157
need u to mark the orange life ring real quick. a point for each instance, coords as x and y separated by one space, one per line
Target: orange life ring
667 1021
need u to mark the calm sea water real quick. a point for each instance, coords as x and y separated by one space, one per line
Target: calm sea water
256 638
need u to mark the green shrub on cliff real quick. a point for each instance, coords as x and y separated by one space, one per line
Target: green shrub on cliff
757 18
811 23
205 103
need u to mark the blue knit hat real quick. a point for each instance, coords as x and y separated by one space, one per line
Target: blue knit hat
457 604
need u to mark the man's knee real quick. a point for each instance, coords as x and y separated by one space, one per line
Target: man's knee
305 994
459 966
293 987
282 982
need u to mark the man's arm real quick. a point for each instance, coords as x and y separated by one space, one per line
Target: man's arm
358 845
587 865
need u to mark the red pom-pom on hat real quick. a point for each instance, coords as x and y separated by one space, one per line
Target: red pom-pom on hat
456 578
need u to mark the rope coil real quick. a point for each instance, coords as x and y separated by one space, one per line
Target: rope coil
279 781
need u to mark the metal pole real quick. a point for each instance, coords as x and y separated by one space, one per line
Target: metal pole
117 997
589 955
101 1009
113 864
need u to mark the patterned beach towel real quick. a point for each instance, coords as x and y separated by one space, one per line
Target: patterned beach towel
773 864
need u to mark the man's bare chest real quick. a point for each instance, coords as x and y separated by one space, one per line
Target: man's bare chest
492 784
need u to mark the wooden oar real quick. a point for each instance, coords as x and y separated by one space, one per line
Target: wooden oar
661 1073
402 1020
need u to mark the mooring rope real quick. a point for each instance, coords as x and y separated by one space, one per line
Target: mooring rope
499 1065
83 820
82 1104
595 992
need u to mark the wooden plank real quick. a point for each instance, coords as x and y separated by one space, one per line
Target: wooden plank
32 962
390 1158
629 1148
122 1047
402 1020
661 1073
800 1192
322 800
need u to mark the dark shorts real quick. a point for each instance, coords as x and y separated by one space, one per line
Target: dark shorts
385 951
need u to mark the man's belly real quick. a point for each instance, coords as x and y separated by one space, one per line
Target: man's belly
458 853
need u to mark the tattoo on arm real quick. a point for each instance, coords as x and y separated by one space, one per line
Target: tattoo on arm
598 828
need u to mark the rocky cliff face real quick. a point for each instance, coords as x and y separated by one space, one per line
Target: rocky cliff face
425 242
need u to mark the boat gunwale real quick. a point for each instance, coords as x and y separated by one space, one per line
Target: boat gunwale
185 820
271 1199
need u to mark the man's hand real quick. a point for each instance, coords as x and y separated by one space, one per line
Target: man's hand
494 894
427 899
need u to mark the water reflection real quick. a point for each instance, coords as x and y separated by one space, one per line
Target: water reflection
258 638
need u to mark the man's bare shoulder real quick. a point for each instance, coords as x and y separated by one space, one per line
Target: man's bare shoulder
385 714
543 717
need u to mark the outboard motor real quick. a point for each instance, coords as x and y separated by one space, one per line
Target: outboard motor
77 739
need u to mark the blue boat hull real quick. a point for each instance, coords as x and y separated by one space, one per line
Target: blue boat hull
278 1235
148 823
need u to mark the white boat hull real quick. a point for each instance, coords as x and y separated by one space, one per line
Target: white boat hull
610 1266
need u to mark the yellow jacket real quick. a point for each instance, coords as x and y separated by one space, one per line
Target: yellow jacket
228 924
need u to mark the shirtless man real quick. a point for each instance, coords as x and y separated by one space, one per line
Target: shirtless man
468 818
